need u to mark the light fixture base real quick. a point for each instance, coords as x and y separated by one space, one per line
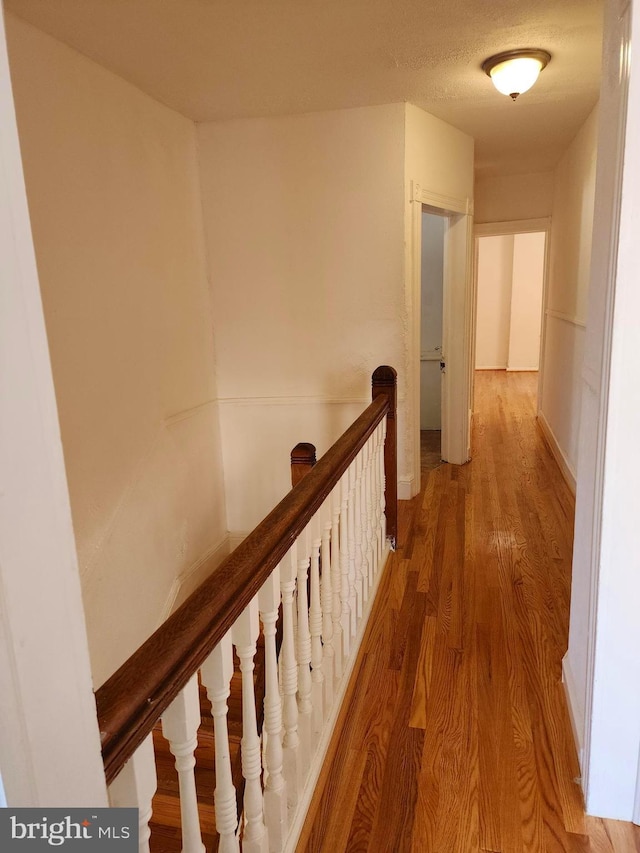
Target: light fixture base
543 56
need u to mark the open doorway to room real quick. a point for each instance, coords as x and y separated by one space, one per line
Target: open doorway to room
510 288
431 337
450 369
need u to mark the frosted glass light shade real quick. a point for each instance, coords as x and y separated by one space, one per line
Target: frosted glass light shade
515 72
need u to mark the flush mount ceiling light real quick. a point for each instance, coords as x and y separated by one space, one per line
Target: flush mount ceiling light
515 71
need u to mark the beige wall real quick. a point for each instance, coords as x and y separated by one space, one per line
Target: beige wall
438 156
303 218
526 301
495 274
114 200
569 263
508 197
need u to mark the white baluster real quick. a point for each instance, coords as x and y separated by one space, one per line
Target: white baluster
326 600
351 545
336 585
345 610
289 676
315 629
368 513
382 522
216 673
375 496
275 788
366 532
303 652
244 634
357 531
135 786
180 724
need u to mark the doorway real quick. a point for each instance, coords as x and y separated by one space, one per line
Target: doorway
432 359
510 285
509 312
457 328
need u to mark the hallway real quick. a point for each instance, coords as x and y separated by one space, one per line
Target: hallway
456 738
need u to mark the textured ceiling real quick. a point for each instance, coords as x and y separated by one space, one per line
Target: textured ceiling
218 59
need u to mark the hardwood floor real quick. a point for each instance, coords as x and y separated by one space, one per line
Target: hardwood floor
429 450
456 737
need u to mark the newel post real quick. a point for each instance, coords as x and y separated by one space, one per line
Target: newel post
384 381
303 458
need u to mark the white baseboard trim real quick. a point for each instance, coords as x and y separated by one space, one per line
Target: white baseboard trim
531 369
327 734
557 452
577 728
236 537
491 367
185 583
406 489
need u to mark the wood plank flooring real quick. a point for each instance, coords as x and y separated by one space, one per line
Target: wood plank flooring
456 737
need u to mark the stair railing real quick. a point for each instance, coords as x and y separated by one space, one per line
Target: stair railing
316 559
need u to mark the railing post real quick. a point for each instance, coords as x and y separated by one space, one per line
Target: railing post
303 458
384 381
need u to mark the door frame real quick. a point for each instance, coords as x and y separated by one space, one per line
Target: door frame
456 325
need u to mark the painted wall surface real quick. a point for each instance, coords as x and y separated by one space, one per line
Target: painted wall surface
433 230
526 301
438 156
303 219
569 266
495 273
113 193
505 198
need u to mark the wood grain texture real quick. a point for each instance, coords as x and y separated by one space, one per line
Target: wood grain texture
457 738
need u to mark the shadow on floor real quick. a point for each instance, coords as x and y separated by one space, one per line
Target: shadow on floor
429 449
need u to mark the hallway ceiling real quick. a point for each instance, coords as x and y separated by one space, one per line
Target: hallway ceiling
221 59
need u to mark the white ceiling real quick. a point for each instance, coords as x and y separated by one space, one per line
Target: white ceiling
219 59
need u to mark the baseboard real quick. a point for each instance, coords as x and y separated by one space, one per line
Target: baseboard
557 453
236 537
491 367
189 580
522 369
572 705
406 489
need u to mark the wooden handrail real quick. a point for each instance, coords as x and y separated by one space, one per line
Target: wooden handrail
134 697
